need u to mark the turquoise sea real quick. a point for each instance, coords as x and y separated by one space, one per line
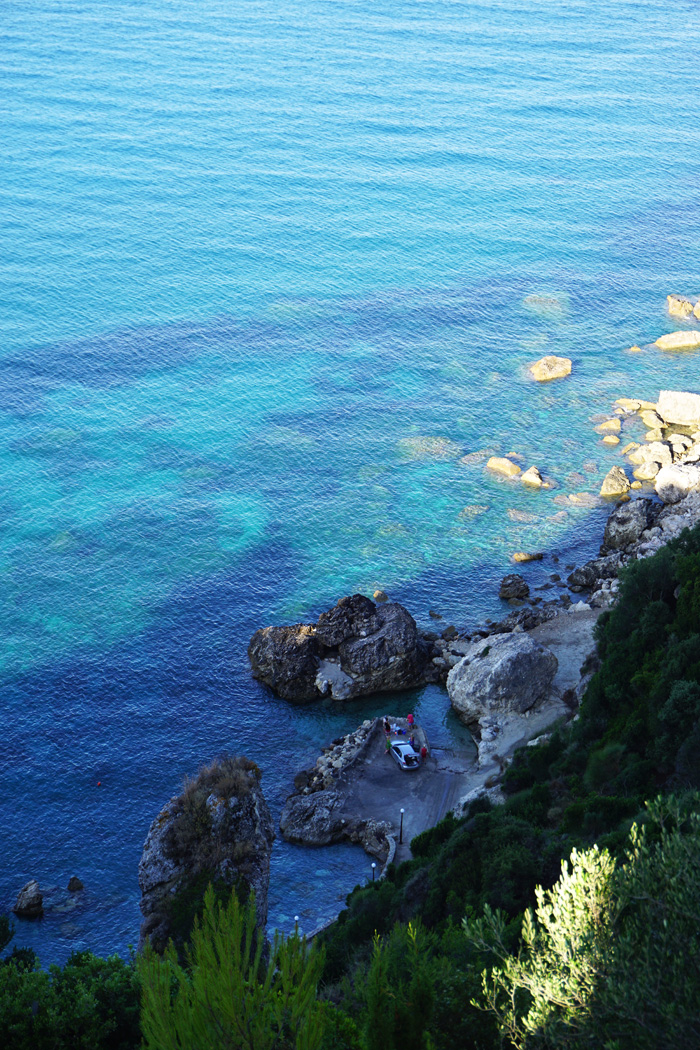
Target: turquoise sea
268 270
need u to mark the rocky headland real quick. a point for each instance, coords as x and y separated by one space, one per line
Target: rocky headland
219 831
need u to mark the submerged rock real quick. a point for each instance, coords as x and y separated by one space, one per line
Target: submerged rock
550 367
354 649
504 674
30 901
218 830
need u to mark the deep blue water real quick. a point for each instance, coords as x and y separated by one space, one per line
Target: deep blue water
268 271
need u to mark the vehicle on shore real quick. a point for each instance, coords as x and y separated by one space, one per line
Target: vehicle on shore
405 756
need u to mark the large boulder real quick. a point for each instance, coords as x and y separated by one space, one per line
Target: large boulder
30 902
550 367
501 675
356 648
659 452
689 340
674 483
218 830
680 408
626 524
679 306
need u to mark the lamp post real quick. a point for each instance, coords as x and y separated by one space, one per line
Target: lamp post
401 830
296 925
374 866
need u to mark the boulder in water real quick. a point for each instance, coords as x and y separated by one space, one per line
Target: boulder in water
550 367
30 901
501 465
689 340
674 483
355 648
615 483
513 586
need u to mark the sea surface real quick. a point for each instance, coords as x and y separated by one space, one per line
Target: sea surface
268 270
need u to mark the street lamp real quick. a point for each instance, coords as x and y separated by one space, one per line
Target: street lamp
296 925
373 870
401 830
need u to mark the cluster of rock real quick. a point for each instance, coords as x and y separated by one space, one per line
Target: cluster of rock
354 649
505 466
340 755
317 820
670 455
218 830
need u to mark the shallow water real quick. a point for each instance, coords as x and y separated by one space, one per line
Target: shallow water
268 271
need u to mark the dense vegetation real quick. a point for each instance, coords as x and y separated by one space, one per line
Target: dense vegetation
446 952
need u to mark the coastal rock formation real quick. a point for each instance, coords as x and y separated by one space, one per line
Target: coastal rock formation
30 901
75 885
680 408
505 674
674 483
626 525
689 340
354 649
550 367
218 830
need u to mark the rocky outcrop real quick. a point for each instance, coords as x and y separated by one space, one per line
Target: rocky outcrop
354 649
679 306
550 367
30 901
505 674
504 466
218 830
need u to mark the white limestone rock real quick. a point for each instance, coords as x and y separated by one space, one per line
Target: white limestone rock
500 675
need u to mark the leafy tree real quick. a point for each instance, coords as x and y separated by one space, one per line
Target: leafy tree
227 997
612 956
87 1004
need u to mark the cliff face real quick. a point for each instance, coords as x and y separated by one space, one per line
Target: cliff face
218 830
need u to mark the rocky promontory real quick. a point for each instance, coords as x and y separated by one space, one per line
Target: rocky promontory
354 649
218 830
